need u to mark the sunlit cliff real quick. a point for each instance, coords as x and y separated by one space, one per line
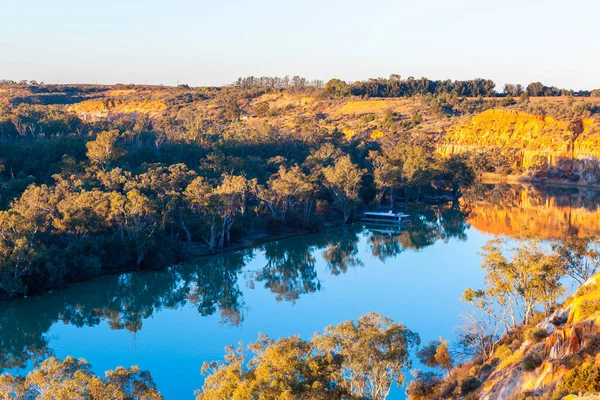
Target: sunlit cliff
569 357
531 135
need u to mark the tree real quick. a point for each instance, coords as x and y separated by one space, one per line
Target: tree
436 354
203 202
18 252
350 360
261 109
455 174
478 334
531 278
344 181
417 169
387 175
535 89
74 379
232 200
423 386
337 88
442 356
580 257
231 107
286 188
135 215
285 369
375 353
104 150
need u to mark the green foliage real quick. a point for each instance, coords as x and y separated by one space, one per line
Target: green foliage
423 386
516 286
337 88
354 359
426 355
71 379
532 361
145 172
535 334
583 378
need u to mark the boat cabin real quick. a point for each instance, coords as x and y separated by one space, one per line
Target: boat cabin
385 217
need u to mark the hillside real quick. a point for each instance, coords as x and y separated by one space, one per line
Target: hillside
566 361
535 138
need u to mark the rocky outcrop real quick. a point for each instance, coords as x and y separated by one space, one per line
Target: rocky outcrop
532 137
568 340
571 340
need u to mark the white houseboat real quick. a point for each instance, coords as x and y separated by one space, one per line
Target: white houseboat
389 217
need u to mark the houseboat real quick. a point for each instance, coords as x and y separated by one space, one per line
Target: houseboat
389 217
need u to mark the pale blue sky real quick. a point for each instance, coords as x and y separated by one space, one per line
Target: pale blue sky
213 42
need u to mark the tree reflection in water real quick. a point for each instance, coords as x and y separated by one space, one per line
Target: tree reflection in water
342 250
290 270
429 225
212 284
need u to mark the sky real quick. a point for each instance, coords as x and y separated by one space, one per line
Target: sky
215 42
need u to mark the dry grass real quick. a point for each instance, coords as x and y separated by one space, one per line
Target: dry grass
376 106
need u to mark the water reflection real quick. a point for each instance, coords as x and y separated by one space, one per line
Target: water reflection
290 270
545 213
442 222
213 285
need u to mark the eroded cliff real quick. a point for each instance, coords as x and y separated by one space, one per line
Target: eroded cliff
531 136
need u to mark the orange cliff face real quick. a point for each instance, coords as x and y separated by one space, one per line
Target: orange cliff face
524 211
530 135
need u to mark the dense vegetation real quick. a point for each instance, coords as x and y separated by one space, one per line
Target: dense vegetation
363 360
74 379
82 195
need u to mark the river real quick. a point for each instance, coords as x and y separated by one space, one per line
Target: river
171 321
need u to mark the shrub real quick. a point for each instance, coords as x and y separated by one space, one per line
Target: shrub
423 386
583 378
503 352
468 385
589 307
535 334
532 361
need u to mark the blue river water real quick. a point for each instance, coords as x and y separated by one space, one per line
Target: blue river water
169 322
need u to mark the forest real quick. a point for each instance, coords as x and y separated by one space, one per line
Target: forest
83 195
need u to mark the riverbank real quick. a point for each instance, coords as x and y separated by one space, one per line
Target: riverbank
554 357
531 180
196 249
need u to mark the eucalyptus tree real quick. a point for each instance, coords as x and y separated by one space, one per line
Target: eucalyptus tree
344 180
515 287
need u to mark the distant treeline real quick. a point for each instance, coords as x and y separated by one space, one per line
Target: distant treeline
394 86
275 82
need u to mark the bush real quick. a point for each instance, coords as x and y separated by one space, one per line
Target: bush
423 386
535 334
503 352
583 378
468 385
589 307
532 361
